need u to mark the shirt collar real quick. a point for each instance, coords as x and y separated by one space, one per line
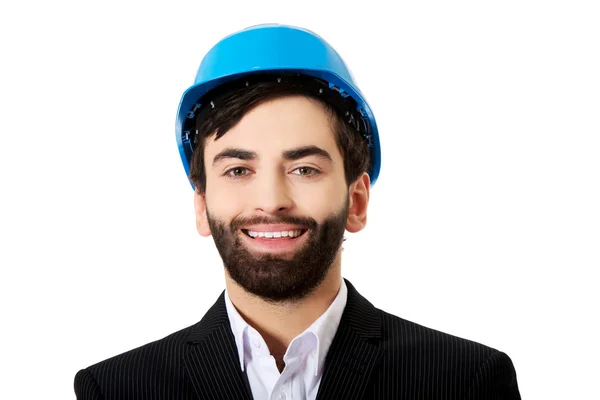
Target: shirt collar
324 328
238 327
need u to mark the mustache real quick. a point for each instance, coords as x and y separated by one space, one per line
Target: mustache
238 222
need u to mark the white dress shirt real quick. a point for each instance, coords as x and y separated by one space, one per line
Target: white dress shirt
304 358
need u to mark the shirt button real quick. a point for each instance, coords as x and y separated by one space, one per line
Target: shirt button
282 396
256 343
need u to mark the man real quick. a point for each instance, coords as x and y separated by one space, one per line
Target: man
282 150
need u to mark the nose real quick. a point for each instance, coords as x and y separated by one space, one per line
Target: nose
272 193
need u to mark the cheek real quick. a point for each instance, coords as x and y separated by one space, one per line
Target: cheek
320 202
223 202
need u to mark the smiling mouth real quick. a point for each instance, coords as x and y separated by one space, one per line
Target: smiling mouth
274 235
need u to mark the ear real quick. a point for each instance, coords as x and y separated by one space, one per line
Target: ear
359 200
201 219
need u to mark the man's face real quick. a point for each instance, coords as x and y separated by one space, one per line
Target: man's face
276 199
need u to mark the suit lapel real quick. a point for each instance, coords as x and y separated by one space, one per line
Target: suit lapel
212 360
354 352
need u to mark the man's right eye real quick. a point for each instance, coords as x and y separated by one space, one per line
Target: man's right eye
237 172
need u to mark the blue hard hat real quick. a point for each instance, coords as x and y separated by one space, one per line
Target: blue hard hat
273 48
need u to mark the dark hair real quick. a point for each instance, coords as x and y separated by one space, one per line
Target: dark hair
224 107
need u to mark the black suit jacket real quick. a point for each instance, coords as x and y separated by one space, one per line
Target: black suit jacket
374 355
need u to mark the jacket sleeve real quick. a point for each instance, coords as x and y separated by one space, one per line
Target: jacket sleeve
496 379
86 387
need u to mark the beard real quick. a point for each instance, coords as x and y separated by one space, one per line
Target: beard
277 278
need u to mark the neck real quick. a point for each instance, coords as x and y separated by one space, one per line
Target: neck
279 323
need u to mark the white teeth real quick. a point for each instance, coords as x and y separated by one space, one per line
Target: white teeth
291 234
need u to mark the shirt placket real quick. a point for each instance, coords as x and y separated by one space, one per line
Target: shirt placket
290 384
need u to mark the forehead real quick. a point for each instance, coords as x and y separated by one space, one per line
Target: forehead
277 125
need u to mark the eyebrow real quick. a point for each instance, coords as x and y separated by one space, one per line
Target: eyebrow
305 151
235 153
290 155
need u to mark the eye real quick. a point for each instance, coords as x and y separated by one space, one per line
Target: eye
306 171
237 172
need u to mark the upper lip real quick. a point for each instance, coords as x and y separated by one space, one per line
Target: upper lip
273 228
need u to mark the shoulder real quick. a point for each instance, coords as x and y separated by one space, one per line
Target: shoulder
156 352
407 344
436 364
457 364
400 333
411 339
154 363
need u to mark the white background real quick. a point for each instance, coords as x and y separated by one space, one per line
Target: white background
484 222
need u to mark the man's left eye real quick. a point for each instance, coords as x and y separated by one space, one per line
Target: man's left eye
306 171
